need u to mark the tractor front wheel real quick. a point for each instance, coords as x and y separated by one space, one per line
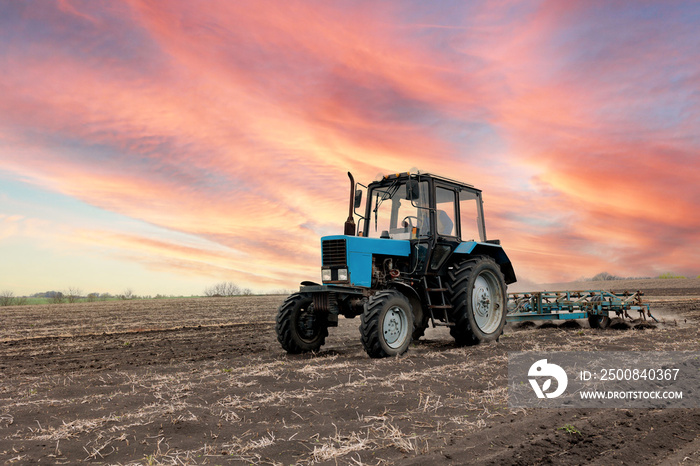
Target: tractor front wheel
386 325
299 328
477 291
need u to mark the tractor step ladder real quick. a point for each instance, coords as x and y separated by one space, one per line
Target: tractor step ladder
438 291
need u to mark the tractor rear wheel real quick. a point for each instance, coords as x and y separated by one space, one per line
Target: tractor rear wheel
386 325
299 328
477 291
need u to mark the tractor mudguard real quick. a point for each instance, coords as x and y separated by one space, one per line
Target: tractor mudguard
495 251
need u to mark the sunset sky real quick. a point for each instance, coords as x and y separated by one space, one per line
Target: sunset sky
167 146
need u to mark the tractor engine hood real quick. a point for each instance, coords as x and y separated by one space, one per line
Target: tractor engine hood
354 254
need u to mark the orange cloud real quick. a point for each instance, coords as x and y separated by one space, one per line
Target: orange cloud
236 123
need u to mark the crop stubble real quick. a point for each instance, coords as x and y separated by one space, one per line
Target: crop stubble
203 381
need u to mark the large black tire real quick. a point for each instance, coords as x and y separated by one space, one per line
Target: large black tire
386 325
299 328
477 291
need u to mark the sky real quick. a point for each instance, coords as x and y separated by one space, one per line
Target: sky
165 146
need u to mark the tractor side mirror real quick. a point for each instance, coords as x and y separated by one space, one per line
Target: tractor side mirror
358 198
412 190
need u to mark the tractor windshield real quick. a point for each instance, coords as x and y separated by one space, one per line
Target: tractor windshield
395 216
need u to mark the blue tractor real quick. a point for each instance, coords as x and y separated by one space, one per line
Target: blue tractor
420 257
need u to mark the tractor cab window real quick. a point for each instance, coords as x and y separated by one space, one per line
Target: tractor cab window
445 201
395 215
469 212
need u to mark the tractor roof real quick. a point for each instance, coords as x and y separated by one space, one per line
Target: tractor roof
406 175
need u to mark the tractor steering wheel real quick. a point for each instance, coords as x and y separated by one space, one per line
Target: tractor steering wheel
410 222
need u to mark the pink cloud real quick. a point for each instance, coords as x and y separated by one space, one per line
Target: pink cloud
237 122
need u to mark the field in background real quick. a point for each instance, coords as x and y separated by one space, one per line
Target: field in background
114 316
203 381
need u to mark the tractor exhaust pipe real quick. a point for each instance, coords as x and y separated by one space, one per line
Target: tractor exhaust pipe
350 222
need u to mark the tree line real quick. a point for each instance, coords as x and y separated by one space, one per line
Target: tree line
71 295
75 295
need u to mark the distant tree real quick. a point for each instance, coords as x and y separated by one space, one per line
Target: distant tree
92 297
212 292
73 294
231 289
105 296
223 289
604 276
127 294
7 298
247 292
56 297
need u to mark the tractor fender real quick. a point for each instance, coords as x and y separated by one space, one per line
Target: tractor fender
412 296
495 251
308 283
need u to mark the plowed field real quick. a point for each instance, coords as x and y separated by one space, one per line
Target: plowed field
204 381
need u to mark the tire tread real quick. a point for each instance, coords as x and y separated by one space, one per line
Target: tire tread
284 323
369 323
458 293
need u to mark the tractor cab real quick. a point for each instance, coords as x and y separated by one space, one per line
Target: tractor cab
435 214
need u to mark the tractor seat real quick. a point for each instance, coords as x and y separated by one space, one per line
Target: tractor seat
445 224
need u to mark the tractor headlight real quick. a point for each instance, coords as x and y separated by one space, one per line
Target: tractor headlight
342 275
326 275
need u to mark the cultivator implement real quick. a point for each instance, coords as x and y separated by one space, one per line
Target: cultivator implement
595 305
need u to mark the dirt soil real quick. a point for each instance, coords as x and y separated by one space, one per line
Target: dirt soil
204 381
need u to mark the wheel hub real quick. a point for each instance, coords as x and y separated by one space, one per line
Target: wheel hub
485 302
394 327
307 324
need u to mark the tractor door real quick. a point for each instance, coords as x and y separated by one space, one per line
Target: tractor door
435 246
446 221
